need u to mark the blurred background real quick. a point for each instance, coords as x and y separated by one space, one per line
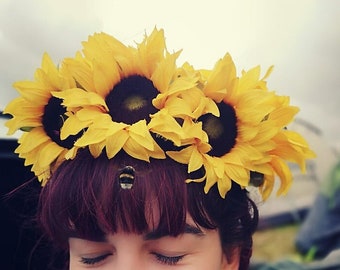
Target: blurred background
300 38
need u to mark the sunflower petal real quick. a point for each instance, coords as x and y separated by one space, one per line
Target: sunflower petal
93 135
77 97
195 162
224 185
97 148
140 134
48 153
183 156
81 70
105 76
134 149
151 51
72 126
165 125
220 78
32 140
282 170
33 91
115 143
162 76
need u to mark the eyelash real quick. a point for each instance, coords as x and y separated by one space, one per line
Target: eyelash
168 260
94 260
161 258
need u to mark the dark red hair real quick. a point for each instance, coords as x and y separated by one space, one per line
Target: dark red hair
84 199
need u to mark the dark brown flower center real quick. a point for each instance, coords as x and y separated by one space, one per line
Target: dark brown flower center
53 119
222 131
131 100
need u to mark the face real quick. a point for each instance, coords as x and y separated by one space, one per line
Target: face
196 249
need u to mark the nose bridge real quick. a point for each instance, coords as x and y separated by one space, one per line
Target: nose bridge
132 264
131 254
131 261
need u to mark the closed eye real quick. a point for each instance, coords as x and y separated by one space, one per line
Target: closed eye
94 260
169 260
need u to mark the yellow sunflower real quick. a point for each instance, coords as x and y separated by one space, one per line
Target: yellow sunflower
115 99
40 115
245 136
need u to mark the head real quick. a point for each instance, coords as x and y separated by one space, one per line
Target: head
84 200
113 106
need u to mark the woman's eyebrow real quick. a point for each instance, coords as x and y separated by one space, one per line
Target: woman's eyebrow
189 229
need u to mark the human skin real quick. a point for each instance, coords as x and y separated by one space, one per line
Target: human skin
197 248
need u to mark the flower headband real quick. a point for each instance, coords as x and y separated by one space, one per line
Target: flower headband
111 97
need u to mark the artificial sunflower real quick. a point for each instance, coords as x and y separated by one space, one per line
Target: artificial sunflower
40 116
115 98
244 136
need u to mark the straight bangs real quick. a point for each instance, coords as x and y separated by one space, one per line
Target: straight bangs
84 198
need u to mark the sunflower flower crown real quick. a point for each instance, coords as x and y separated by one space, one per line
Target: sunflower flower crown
111 97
